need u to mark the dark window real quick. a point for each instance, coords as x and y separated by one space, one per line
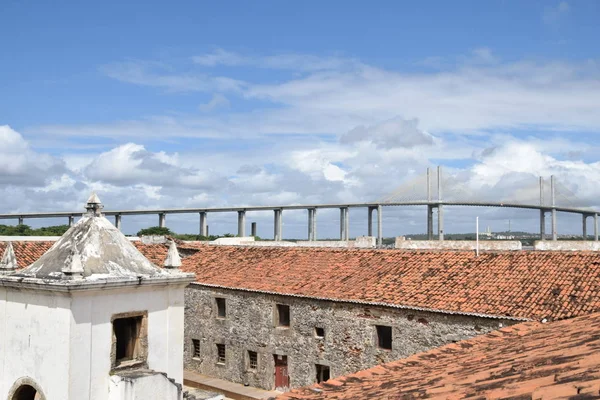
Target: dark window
221 307
319 332
384 337
283 315
322 373
127 333
252 360
196 348
221 353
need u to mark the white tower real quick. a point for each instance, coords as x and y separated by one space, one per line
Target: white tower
92 319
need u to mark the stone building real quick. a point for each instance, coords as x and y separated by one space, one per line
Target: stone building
529 360
288 317
92 318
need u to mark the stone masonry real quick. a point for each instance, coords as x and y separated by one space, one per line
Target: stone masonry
349 344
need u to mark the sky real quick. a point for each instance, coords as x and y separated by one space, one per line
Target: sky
208 104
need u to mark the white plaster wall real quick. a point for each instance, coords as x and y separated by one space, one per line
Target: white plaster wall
92 334
567 245
143 388
34 340
457 244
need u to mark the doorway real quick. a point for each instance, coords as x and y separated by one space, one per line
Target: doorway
282 379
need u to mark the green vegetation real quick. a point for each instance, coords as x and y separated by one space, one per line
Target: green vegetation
25 230
157 230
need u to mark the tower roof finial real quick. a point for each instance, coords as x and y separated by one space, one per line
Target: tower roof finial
172 260
94 205
8 262
73 268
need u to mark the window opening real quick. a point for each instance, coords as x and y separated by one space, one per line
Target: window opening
127 333
221 307
384 337
221 353
252 360
320 332
283 314
195 348
322 373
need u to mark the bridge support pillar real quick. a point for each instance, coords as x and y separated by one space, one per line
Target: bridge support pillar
344 223
20 221
379 227
596 227
71 220
440 222
277 225
118 221
162 220
542 225
554 232
241 223
312 224
370 221
203 226
584 225
429 222
253 229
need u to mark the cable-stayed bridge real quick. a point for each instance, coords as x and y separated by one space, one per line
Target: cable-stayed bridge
432 189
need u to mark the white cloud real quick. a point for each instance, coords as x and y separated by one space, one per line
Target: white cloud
217 101
393 133
289 61
219 57
20 165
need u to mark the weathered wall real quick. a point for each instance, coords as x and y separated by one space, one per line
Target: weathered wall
350 335
34 341
566 245
484 245
91 329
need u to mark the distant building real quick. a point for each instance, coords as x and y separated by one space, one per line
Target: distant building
92 318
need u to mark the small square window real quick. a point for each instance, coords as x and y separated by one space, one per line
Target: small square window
127 332
221 353
195 348
252 360
319 332
322 373
221 307
283 315
384 337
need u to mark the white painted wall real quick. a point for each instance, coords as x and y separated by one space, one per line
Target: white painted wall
34 337
142 388
63 342
92 329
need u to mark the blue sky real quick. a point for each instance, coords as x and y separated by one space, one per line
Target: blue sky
261 102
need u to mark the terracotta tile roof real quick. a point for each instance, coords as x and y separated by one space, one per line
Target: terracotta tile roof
529 360
528 285
27 252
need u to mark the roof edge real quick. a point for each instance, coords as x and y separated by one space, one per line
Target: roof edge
370 303
50 285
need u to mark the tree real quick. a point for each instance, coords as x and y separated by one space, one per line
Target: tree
155 231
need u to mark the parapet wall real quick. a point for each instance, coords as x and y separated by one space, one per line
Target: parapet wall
566 245
484 245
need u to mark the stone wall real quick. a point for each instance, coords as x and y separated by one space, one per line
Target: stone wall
349 344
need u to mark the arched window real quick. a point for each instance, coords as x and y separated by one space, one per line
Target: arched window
26 388
26 392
